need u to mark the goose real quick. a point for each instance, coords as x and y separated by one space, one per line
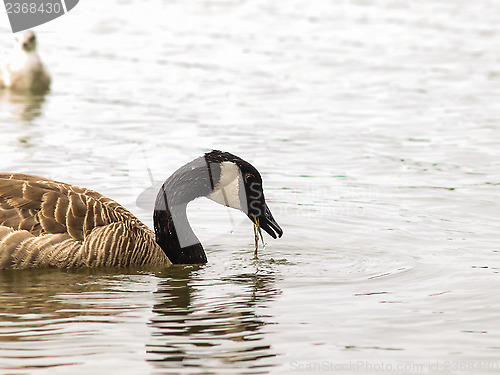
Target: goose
23 69
44 223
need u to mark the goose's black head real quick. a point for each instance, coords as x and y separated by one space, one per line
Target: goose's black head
238 184
220 176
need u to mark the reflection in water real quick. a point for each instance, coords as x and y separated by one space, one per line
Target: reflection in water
178 317
39 298
52 318
203 323
25 106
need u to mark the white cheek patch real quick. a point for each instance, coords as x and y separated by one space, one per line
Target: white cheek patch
227 191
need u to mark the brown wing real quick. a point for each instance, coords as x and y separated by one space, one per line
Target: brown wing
42 206
49 223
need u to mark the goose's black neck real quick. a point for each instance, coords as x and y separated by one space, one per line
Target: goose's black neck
172 229
181 246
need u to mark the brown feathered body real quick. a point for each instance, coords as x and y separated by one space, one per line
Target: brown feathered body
44 223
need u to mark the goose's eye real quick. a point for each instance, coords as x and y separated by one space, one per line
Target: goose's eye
32 39
249 177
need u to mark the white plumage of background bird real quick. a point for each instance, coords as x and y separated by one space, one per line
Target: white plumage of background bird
22 69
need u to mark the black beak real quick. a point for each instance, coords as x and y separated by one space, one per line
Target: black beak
267 222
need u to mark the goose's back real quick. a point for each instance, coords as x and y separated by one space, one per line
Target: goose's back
44 223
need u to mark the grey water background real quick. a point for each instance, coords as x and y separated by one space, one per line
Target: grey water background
375 125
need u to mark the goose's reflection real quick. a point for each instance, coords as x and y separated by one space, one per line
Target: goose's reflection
36 298
204 322
52 318
197 316
24 106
